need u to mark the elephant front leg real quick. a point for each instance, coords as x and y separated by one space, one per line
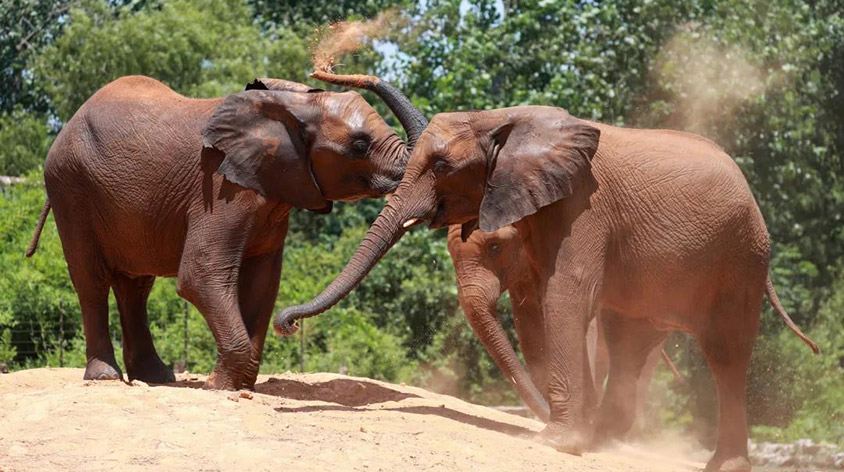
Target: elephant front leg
258 288
208 278
566 312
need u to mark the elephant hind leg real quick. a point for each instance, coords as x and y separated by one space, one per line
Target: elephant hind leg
629 342
90 279
139 355
727 344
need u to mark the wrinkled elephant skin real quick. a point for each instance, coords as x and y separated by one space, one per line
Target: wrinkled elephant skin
145 182
655 230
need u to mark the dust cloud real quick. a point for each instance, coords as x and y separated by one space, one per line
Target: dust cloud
344 37
708 79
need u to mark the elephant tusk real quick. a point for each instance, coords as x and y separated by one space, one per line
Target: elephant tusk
410 222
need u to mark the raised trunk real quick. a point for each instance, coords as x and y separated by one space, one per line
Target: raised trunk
411 119
481 313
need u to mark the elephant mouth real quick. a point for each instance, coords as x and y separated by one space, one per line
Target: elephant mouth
383 185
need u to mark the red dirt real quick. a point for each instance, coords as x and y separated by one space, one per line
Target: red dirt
50 419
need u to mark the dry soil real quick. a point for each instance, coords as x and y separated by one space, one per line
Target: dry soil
50 419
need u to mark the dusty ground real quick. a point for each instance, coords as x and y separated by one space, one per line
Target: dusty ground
52 420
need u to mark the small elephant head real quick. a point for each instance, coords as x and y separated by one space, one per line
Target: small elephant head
487 265
493 260
306 146
488 169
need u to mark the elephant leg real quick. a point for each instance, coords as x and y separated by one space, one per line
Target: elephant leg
257 291
530 329
207 278
599 358
727 344
629 342
90 279
99 352
139 355
569 379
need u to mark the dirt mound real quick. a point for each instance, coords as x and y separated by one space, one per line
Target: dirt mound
52 420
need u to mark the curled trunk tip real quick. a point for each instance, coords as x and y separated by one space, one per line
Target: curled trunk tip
382 235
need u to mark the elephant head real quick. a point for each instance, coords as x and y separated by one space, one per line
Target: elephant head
308 147
488 168
486 266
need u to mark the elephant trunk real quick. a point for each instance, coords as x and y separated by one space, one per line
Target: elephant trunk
411 119
390 225
479 307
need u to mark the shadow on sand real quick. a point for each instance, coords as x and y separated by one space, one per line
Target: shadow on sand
356 395
442 411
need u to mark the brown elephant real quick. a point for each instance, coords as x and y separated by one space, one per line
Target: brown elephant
487 265
657 230
145 182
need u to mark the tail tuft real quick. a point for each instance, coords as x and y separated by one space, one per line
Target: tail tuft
775 302
42 218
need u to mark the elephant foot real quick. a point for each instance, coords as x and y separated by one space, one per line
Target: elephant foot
222 380
607 434
153 371
563 439
97 369
233 372
735 463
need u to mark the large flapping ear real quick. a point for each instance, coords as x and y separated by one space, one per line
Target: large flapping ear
265 83
265 146
534 161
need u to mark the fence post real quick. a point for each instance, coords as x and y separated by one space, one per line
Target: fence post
185 327
301 345
61 334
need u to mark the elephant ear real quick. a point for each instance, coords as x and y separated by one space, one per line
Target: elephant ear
534 162
265 146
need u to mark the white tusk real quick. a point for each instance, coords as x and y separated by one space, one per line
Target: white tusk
410 222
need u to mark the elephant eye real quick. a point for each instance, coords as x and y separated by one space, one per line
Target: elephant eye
360 145
441 166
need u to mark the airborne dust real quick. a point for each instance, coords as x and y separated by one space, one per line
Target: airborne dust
709 80
344 37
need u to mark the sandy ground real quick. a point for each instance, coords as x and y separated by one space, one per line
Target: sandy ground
50 419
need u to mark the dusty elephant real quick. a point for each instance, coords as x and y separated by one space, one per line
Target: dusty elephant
145 182
657 230
487 265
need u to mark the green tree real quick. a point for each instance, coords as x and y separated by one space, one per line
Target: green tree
26 26
306 15
203 48
25 139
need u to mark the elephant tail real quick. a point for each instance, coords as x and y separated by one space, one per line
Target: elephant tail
33 245
775 302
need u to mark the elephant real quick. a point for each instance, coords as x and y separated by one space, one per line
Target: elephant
656 230
147 183
487 265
